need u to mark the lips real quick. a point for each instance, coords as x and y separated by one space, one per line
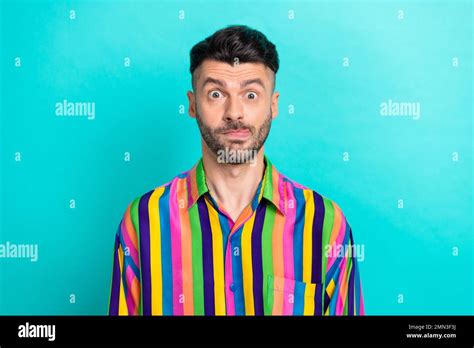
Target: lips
238 133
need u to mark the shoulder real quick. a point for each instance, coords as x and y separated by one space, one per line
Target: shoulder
137 210
327 215
311 196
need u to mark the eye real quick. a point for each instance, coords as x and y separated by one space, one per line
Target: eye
252 95
215 94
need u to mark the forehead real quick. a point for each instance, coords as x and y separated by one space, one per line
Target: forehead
233 74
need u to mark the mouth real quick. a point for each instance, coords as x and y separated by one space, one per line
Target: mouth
237 133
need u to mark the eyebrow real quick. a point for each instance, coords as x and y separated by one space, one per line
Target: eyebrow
243 84
251 81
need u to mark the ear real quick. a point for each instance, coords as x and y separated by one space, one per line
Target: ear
274 105
192 104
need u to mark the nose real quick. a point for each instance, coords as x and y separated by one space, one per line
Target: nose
234 110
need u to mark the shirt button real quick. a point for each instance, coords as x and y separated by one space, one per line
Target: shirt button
232 287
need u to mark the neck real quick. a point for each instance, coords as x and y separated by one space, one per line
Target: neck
233 186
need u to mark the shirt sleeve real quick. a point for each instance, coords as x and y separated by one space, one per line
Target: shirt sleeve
343 290
124 296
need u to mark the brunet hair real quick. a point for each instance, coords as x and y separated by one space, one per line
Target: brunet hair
236 42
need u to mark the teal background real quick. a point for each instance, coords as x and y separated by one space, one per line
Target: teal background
408 251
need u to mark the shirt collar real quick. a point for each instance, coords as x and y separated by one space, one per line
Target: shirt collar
272 185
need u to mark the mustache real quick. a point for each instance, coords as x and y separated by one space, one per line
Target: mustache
234 126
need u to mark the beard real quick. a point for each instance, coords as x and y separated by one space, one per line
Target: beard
212 138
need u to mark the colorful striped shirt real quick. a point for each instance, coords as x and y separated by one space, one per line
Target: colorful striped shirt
290 252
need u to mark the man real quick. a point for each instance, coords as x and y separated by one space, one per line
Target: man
233 236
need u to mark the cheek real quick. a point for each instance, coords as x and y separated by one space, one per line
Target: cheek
211 114
257 113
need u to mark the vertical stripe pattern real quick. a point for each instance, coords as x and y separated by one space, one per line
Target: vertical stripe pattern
290 252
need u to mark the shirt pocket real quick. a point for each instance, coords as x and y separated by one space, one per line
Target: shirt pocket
286 296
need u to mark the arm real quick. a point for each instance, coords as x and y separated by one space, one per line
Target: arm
125 287
343 290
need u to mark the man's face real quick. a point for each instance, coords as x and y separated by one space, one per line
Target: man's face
233 105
